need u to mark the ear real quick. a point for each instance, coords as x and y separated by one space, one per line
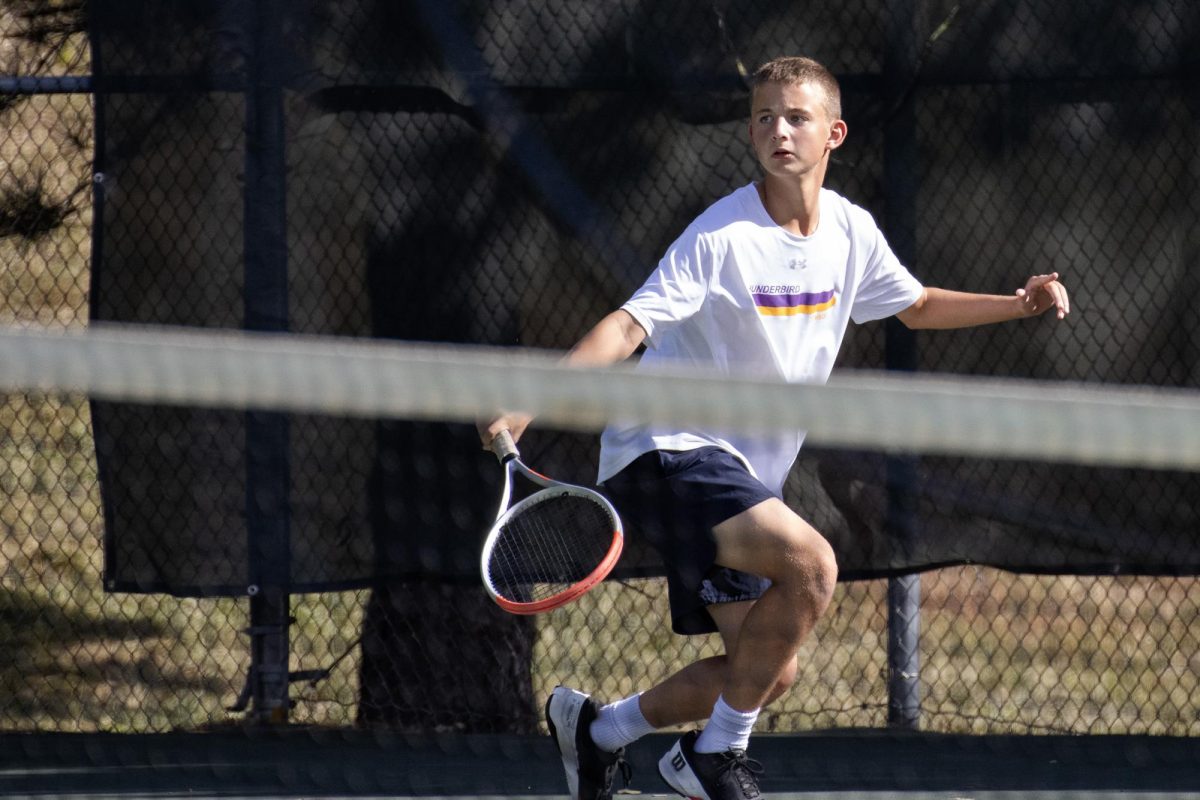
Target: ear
837 134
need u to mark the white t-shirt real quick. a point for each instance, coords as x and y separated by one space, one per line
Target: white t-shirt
738 294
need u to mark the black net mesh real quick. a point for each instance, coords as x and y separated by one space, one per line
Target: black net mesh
505 174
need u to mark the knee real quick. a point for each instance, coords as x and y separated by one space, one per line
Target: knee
816 569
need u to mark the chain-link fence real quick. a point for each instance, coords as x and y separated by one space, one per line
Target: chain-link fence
505 174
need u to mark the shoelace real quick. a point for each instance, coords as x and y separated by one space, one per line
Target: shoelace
622 766
743 769
626 772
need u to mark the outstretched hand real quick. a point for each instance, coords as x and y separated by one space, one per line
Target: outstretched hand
1043 292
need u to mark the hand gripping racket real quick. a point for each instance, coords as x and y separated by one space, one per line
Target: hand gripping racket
551 547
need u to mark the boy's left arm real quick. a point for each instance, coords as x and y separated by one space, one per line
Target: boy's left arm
942 308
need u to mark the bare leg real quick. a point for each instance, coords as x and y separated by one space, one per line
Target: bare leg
689 694
771 540
761 638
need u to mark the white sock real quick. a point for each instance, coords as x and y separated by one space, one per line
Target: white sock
727 729
620 723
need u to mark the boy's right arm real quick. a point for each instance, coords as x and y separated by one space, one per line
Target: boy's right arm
612 340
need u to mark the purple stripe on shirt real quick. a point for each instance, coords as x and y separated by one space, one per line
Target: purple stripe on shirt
790 300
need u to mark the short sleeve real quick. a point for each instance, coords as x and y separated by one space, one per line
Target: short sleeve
886 287
677 288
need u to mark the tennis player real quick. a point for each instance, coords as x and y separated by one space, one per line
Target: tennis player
764 282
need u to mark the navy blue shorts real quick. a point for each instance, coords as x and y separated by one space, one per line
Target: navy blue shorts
674 499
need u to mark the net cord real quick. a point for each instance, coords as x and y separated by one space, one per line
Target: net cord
1098 424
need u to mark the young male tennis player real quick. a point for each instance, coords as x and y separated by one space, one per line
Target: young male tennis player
763 282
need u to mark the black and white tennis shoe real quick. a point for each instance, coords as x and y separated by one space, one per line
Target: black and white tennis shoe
590 770
709 776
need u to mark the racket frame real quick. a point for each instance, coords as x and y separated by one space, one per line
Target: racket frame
506 451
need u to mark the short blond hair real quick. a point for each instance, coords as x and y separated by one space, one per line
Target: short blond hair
799 69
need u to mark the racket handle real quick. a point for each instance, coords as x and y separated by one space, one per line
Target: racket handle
504 447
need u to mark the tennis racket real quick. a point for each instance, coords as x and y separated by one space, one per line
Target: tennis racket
550 547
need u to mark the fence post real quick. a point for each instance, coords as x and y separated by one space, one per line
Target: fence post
900 181
266 309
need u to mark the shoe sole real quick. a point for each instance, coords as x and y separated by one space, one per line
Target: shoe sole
565 705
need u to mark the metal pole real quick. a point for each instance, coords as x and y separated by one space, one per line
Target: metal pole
266 309
904 637
901 188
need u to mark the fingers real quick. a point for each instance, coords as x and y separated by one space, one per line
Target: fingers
1058 294
1043 292
513 422
489 429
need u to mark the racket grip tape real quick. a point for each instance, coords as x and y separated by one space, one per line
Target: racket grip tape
504 447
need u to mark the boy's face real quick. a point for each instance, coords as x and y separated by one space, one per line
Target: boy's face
790 128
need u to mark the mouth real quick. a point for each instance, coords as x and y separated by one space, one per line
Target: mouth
781 154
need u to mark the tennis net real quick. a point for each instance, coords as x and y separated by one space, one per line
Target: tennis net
1052 421
162 479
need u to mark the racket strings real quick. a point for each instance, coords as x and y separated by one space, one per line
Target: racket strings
550 546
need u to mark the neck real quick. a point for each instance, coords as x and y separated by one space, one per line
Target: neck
793 205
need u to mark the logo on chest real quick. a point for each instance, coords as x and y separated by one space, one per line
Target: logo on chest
783 300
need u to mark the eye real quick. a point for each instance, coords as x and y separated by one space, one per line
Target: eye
764 119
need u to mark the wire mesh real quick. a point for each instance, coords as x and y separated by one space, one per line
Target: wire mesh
506 173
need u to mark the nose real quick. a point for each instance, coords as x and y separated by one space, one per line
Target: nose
778 129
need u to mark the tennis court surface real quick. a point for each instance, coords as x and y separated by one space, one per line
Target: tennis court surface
297 763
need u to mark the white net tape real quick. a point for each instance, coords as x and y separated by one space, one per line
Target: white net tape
1050 421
